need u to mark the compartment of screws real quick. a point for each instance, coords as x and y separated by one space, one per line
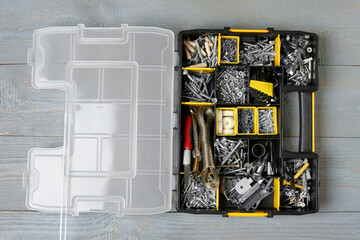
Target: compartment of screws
200 50
231 155
229 49
298 184
246 120
260 53
298 53
195 195
198 87
267 120
232 83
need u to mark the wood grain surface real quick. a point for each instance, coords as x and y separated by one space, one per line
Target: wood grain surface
33 118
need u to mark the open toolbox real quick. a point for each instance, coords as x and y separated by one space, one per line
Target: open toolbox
125 124
253 174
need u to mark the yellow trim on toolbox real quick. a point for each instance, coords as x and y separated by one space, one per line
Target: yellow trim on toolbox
277 193
249 30
313 122
247 214
237 49
197 103
207 70
219 49
277 51
217 198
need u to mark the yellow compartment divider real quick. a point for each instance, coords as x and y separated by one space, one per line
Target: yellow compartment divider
277 51
206 70
247 214
235 120
249 30
274 118
219 49
237 49
313 122
217 198
196 104
277 193
256 123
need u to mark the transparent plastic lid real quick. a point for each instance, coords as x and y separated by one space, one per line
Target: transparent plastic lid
117 152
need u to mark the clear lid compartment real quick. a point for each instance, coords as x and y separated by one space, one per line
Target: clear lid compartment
117 153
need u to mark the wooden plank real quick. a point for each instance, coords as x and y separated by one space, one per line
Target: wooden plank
34 225
335 22
336 104
25 110
338 171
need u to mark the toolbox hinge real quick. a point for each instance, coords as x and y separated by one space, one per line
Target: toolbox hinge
176 58
175 120
173 183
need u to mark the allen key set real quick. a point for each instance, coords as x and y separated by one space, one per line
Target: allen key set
232 86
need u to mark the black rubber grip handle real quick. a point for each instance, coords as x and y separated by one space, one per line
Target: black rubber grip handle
305 101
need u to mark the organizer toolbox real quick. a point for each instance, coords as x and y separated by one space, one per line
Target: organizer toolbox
222 126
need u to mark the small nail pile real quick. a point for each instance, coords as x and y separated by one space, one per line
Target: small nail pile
246 121
228 50
260 54
197 196
201 52
231 153
232 84
198 87
266 121
296 57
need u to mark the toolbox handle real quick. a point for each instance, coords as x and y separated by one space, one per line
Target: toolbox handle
307 121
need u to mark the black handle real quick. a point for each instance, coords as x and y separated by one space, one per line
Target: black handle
306 122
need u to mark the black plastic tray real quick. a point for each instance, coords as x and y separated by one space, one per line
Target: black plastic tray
306 137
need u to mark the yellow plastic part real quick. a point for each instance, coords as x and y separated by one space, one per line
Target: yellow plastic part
284 182
217 198
219 48
205 70
277 51
249 30
237 49
247 214
277 193
274 118
256 123
302 169
235 121
196 104
264 87
313 122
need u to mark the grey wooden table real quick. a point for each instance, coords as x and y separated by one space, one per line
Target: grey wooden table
31 118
